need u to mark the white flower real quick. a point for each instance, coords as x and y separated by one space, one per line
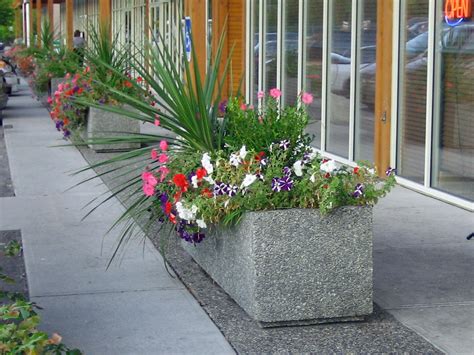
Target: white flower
371 171
243 152
329 166
298 168
226 203
209 179
194 181
201 223
186 213
313 153
206 163
248 180
312 178
234 160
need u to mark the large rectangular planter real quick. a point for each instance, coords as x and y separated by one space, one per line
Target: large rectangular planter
288 267
105 124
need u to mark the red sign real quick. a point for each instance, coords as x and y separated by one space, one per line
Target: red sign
457 9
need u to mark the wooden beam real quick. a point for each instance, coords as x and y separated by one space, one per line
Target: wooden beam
383 85
18 23
39 8
69 23
236 31
220 11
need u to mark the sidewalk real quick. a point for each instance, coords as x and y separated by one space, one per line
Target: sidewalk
422 270
132 308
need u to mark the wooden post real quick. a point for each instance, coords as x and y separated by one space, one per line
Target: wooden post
105 15
196 9
31 33
69 23
236 31
383 85
51 14
39 8
18 22
220 11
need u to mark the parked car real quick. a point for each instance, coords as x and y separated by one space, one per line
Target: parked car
10 75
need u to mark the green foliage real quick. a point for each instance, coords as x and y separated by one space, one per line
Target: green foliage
13 248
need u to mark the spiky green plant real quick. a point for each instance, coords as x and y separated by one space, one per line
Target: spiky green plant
185 101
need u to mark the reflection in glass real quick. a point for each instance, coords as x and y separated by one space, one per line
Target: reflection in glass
412 91
209 31
339 73
271 30
256 45
453 128
365 81
290 52
313 65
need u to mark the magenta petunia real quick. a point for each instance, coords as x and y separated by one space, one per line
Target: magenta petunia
164 145
275 93
307 98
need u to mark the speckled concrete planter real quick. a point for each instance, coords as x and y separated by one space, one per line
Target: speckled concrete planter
104 124
53 85
289 267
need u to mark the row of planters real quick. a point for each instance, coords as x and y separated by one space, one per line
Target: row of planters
283 230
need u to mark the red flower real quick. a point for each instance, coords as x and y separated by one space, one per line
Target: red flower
200 173
326 186
139 79
181 181
259 156
327 175
172 218
127 84
356 170
168 207
206 193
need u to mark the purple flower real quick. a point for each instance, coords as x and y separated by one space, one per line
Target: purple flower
232 190
390 171
223 106
276 185
102 101
286 184
359 191
198 237
287 171
66 133
220 188
59 124
75 89
285 144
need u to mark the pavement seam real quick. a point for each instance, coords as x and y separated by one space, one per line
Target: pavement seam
153 289
431 305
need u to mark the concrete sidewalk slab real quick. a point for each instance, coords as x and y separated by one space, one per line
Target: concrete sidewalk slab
135 307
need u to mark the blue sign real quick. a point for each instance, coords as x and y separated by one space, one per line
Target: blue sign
187 37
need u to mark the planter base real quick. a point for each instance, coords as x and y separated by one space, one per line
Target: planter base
290 267
104 124
311 322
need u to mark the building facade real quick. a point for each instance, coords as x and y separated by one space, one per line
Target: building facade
392 79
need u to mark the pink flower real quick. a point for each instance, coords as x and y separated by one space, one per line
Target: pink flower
164 145
148 190
243 107
163 158
164 172
149 178
68 75
61 87
157 122
307 98
50 100
154 154
260 95
275 93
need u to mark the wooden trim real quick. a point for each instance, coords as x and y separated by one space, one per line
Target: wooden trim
220 11
39 6
18 23
196 9
383 85
69 23
105 15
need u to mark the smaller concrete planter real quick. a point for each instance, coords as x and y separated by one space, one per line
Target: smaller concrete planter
104 124
53 85
288 267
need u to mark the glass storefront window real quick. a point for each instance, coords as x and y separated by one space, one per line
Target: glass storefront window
313 65
254 48
271 45
339 74
412 90
453 126
365 81
290 52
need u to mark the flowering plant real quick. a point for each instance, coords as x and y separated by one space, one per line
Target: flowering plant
193 191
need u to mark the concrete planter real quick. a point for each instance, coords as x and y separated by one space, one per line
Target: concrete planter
53 85
101 124
289 267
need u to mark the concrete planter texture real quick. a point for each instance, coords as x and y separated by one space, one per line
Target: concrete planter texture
295 266
104 124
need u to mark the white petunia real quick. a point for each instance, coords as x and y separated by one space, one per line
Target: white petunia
201 223
186 213
329 166
243 152
371 171
206 163
312 178
298 168
248 180
209 179
313 153
234 160
194 181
